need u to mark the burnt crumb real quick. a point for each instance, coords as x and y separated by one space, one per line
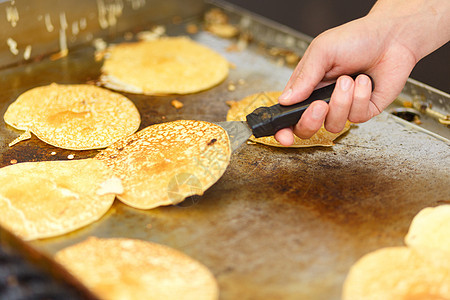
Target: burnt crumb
211 142
112 156
443 201
120 149
131 142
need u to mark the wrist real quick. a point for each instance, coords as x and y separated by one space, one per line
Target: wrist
421 26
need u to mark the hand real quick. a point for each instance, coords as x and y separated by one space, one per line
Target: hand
375 45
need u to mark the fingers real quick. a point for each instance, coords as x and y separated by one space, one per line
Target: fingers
359 111
350 100
311 120
285 136
340 104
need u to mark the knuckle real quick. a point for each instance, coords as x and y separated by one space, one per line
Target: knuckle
305 131
341 101
333 128
357 118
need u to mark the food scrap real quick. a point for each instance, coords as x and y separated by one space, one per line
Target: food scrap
100 48
230 103
242 43
216 16
153 34
216 22
191 28
223 30
407 104
288 56
231 87
59 55
177 104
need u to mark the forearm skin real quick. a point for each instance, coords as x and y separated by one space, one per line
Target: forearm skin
421 26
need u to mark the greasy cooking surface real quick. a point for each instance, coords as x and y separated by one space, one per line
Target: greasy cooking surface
280 223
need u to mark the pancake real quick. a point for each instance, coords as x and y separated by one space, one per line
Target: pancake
429 235
396 273
170 65
50 198
76 117
240 109
119 268
165 163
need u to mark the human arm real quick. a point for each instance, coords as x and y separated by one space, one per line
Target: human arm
386 44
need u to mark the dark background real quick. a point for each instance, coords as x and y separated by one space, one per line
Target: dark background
312 17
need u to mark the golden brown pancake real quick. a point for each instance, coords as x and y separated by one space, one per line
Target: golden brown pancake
77 117
165 163
396 273
240 109
50 198
170 65
119 268
429 235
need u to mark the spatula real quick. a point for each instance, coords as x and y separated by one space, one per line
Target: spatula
266 121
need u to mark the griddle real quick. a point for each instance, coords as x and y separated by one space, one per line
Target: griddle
280 223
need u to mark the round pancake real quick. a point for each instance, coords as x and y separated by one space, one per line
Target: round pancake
396 273
119 268
165 163
240 109
429 234
170 65
76 117
50 198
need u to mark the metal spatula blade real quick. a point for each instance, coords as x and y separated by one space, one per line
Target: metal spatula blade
238 132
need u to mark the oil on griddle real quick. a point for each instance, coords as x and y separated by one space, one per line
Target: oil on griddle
280 223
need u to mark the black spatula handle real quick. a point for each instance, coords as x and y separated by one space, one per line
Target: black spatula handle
266 121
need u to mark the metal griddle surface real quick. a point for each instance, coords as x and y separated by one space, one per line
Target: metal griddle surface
280 223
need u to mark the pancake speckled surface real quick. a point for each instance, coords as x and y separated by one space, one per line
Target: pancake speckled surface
164 163
76 117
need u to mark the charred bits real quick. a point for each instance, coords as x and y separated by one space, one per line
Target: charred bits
211 142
